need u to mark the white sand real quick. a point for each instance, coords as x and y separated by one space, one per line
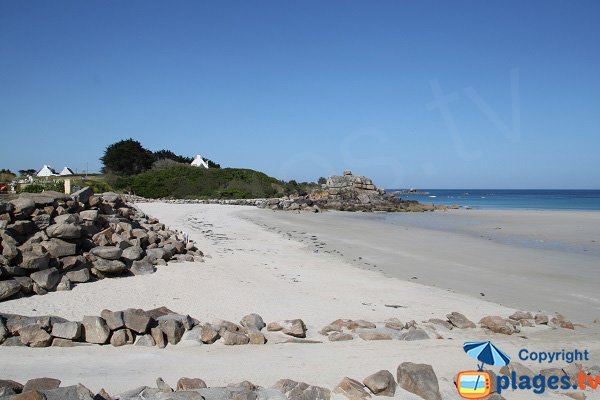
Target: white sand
255 270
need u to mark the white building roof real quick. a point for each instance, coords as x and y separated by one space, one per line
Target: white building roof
66 171
46 170
199 162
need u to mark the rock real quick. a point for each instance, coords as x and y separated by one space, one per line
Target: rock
366 335
173 329
234 338
394 323
78 392
64 231
95 330
34 336
3 332
114 320
89 215
41 221
79 275
541 319
136 320
16 387
83 195
519 315
381 383
460 321
142 267
102 395
67 330
419 379
209 334
414 334
327 329
14 341
253 321
107 252
41 384
162 386
121 337
352 389
47 279
133 253
301 391
109 266
23 205
145 340
340 337
256 336
9 288
159 337
190 384
30 395
518 368
293 327
60 342
59 248
26 284
437 321
32 261
498 324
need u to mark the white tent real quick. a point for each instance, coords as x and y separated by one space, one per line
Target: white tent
199 162
66 171
46 170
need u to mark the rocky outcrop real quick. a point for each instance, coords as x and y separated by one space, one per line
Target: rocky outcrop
50 241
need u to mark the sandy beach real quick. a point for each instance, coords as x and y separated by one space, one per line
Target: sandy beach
267 262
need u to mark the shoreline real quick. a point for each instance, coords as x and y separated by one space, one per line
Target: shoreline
516 275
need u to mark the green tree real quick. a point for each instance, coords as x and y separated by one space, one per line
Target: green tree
6 175
322 181
169 155
25 172
127 157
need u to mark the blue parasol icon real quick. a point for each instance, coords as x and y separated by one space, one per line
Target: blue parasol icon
487 353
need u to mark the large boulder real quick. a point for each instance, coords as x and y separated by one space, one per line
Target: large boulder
76 392
95 330
34 336
64 231
107 252
234 338
419 379
301 391
9 288
23 206
190 384
142 267
33 261
173 329
136 320
498 324
109 266
133 253
114 320
209 334
121 337
83 195
460 321
352 389
47 278
41 384
67 330
291 327
381 383
253 321
59 248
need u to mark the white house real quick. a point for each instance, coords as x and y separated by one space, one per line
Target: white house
66 171
199 162
46 170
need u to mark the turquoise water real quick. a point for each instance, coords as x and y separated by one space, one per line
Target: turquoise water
511 199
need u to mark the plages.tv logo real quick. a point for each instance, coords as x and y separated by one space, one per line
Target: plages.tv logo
478 384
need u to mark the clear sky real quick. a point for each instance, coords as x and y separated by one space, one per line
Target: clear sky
444 94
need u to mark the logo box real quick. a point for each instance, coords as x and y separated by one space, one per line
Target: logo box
474 384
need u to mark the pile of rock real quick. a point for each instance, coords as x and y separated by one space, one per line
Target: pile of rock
419 379
506 326
347 329
50 241
158 327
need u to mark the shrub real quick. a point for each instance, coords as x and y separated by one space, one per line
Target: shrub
192 182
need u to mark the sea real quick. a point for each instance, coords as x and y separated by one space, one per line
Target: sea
533 199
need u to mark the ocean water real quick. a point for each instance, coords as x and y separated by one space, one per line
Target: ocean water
511 199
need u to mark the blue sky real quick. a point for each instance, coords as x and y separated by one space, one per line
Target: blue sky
466 94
